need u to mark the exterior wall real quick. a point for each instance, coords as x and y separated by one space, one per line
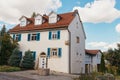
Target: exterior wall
88 61
93 60
96 60
56 64
77 60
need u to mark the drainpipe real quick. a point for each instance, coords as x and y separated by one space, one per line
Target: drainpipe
69 51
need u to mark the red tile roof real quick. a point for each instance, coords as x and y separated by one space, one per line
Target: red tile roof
65 20
92 52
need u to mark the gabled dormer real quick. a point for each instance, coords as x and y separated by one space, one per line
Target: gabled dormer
23 21
38 19
53 17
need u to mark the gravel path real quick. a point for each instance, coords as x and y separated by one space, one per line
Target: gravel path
9 77
32 75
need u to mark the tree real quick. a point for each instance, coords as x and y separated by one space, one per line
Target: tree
33 15
113 56
15 58
28 60
102 65
7 45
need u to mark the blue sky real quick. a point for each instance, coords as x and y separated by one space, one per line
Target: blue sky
101 18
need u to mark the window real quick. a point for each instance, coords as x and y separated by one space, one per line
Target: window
54 52
77 24
37 21
22 23
34 37
54 35
77 39
17 37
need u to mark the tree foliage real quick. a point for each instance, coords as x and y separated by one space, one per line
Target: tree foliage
113 56
33 15
102 65
6 46
28 60
15 58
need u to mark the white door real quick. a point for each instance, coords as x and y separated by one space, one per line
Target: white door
42 62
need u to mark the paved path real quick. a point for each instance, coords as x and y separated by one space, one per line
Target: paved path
10 77
32 75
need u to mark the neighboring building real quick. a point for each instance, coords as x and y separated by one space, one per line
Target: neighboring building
57 41
92 60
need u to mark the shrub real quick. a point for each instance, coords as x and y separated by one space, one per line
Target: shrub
15 58
28 60
9 69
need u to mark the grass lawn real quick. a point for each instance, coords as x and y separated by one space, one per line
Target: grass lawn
5 68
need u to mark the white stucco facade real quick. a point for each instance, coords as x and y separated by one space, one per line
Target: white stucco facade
71 43
77 50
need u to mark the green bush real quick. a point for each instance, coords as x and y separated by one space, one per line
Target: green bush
86 77
9 69
28 61
15 58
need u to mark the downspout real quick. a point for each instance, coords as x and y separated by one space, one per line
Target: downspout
69 51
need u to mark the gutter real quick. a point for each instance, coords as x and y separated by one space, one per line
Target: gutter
69 52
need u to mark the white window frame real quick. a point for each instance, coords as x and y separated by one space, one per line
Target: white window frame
16 37
37 21
33 37
54 52
54 35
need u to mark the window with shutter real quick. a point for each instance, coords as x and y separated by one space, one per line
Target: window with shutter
54 35
17 37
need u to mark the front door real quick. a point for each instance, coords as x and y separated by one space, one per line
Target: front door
42 62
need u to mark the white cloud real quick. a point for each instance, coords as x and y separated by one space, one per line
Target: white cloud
99 11
118 27
12 10
102 45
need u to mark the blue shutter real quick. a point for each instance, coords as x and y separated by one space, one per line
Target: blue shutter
29 37
58 33
13 36
19 38
20 55
48 53
34 55
50 35
38 36
59 52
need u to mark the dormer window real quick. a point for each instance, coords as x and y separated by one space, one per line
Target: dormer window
23 21
38 19
52 17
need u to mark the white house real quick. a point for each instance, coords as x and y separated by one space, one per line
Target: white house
57 41
92 60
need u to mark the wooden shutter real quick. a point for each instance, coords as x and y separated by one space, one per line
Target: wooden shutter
13 36
50 35
34 55
48 53
19 38
29 37
59 52
58 34
38 36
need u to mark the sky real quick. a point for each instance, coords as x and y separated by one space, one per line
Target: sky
101 18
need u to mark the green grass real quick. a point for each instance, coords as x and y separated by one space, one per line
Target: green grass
9 69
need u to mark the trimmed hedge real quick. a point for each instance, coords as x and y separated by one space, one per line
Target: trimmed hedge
9 69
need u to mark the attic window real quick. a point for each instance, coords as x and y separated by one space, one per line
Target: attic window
53 17
22 23
37 21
